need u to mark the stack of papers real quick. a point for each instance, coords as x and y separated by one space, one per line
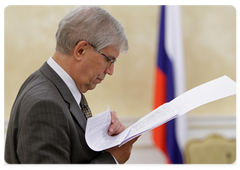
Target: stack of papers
97 136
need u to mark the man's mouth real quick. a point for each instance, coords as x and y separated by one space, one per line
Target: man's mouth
100 80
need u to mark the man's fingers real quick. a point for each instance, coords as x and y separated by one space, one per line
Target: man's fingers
116 126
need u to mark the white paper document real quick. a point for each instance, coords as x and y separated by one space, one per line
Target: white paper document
98 139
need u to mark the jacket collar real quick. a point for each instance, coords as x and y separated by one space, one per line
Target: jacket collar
65 93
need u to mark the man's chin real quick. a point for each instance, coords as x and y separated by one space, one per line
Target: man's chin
89 87
93 86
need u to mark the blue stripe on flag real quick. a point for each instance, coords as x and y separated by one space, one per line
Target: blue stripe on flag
165 65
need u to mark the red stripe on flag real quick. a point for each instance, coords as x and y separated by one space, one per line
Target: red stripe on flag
160 94
159 99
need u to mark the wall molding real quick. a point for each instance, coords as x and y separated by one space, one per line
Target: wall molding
202 125
198 125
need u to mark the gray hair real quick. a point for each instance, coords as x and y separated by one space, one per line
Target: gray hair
92 24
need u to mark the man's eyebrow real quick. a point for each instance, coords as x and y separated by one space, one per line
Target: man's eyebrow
112 57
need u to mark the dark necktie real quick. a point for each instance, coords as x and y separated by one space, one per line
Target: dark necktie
85 108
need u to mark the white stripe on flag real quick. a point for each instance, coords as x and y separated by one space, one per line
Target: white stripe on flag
174 49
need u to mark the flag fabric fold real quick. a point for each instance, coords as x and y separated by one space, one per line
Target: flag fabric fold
169 83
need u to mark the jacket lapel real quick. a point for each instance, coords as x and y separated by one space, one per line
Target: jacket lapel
65 93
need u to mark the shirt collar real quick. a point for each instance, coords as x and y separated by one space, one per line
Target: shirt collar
66 78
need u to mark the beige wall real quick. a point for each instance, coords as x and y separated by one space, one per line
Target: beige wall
209 44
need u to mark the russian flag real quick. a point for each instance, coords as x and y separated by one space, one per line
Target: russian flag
169 83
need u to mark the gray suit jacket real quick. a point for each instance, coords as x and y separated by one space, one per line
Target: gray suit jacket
46 124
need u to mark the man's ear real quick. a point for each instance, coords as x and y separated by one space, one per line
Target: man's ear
79 50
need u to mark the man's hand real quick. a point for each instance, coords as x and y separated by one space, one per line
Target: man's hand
121 154
116 126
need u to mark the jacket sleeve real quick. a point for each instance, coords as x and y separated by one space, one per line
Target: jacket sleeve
43 135
105 158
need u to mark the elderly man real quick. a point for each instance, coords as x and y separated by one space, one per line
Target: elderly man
48 118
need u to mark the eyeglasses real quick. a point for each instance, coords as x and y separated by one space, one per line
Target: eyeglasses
108 59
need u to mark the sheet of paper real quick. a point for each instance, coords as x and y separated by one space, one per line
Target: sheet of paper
96 134
157 117
97 126
205 93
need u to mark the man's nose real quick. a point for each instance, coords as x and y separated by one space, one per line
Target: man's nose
110 70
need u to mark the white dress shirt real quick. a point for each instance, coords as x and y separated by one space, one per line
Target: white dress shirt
67 79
